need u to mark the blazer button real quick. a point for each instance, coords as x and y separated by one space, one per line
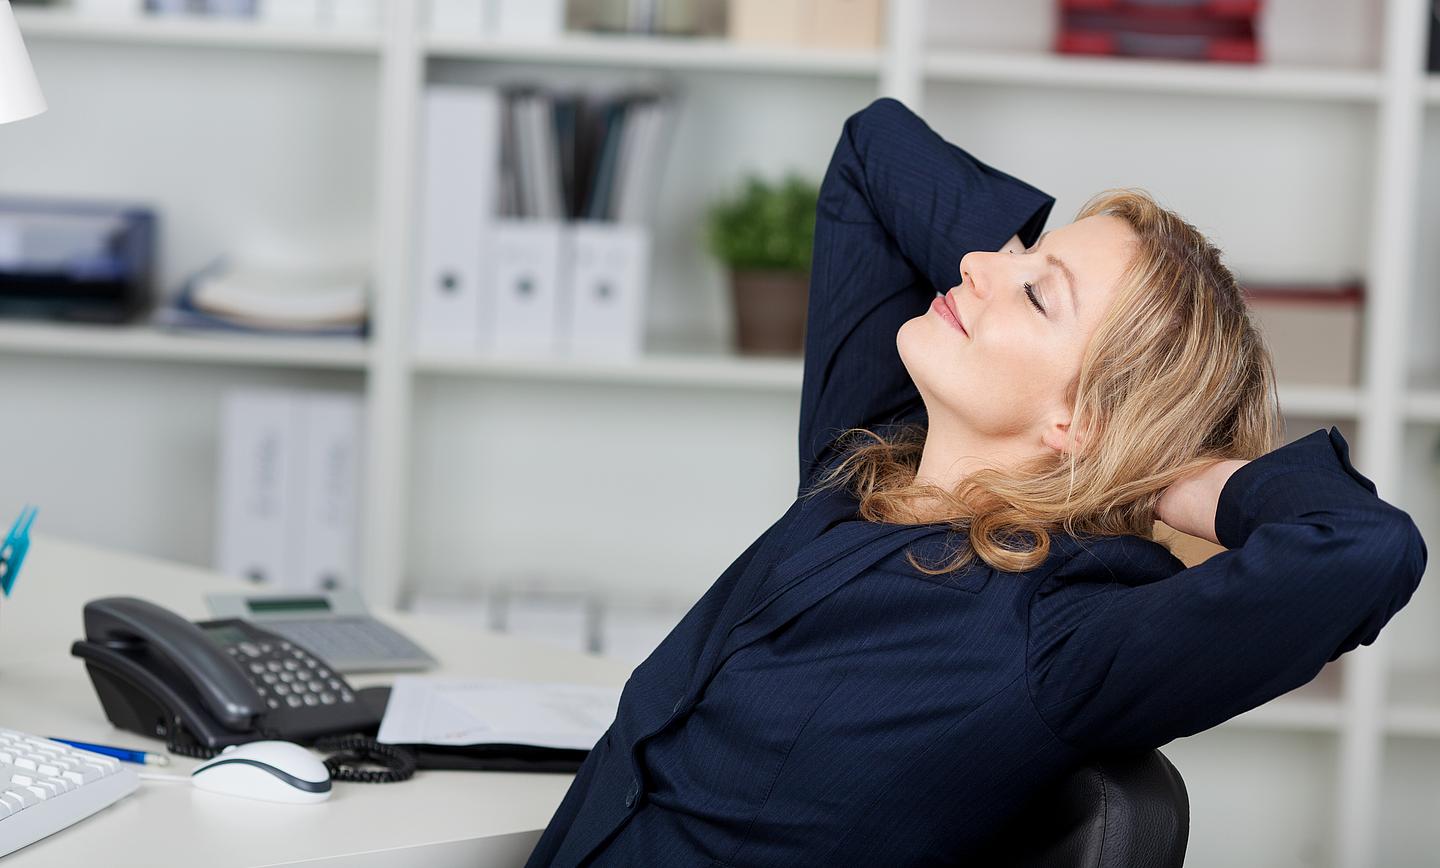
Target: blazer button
630 796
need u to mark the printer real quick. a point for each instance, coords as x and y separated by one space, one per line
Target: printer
75 260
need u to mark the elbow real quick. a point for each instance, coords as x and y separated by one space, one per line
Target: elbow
1396 556
1386 575
1416 553
884 111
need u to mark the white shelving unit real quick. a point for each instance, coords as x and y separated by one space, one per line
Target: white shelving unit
438 423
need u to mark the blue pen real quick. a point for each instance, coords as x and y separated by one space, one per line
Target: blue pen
120 753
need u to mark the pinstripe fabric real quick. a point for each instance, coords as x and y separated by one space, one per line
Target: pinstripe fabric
826 704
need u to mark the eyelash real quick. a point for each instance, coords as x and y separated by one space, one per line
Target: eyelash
1030 291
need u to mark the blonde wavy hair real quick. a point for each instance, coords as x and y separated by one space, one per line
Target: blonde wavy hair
1174 377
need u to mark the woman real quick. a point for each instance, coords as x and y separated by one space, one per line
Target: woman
965 603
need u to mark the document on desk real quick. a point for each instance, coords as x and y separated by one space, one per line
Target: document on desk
472 711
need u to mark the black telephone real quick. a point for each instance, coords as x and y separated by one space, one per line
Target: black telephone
207 685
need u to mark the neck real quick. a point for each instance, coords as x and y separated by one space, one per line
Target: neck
952 453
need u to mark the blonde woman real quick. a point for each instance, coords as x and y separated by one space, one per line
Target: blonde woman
965 602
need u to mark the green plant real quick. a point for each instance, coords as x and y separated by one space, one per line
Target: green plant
766 225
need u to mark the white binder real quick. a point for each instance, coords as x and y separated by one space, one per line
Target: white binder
456 17
458 176
529 268
326 526
528 19
608 283
257 457
299 12
354 14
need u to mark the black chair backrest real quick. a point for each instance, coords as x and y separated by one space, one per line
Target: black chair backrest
1117 811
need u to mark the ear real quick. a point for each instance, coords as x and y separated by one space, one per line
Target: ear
1057 436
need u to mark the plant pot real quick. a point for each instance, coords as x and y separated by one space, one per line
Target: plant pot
770 311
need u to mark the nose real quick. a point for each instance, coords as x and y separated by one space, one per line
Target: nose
975 267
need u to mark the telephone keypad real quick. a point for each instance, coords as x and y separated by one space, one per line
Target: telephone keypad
289 676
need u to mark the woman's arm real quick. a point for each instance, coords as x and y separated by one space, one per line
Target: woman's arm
899 206
1126 651
1189 504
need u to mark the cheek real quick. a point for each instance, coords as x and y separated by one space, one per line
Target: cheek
1011 371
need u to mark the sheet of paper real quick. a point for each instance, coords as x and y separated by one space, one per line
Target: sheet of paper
467 711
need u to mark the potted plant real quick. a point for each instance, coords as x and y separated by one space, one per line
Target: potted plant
764 235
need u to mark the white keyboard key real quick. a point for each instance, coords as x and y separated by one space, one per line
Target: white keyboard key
46 786
60 784
25 796
109 764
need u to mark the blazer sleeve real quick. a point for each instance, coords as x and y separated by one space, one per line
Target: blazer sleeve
898 207
1316 565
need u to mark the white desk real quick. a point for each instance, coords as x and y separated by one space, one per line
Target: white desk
436 818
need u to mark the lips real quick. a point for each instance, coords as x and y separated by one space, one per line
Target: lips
950 303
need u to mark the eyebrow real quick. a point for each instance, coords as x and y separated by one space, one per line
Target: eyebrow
1054 260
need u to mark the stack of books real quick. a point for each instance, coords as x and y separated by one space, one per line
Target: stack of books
1213 30
269 299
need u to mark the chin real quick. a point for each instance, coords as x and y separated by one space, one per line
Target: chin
923 353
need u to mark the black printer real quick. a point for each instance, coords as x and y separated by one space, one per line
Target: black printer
75 260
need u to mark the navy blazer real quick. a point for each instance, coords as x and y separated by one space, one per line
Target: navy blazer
826 704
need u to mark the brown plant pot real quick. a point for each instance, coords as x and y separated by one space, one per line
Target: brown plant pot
770 311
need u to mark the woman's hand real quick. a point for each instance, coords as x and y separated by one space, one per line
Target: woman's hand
1189 504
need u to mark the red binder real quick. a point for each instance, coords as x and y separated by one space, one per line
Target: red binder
1179 33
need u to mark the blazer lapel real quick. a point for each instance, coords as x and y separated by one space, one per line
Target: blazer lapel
814 572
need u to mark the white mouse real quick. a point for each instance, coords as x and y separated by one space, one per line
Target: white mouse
275 771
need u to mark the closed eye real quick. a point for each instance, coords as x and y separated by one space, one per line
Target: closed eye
1030 291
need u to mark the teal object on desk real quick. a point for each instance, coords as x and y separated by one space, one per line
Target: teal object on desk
17 543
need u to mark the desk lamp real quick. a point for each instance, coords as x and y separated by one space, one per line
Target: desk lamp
20 95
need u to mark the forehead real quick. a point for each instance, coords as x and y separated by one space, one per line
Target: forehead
1096 248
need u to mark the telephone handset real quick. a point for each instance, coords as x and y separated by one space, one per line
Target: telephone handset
203 686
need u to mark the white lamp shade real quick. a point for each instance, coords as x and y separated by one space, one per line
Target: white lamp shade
20 95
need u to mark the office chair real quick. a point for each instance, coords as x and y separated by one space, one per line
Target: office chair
1126 810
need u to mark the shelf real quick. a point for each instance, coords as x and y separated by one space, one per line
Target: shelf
1422 405
1164 76
145 342
728 370
1323 401
661 52
199 30
665 369
1413 705
1430 88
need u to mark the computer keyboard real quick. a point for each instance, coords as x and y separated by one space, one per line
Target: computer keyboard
46 786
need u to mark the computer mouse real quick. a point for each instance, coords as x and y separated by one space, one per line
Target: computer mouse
274 771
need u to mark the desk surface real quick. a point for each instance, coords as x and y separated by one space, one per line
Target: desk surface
441 818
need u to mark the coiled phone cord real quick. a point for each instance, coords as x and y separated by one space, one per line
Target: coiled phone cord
351 751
